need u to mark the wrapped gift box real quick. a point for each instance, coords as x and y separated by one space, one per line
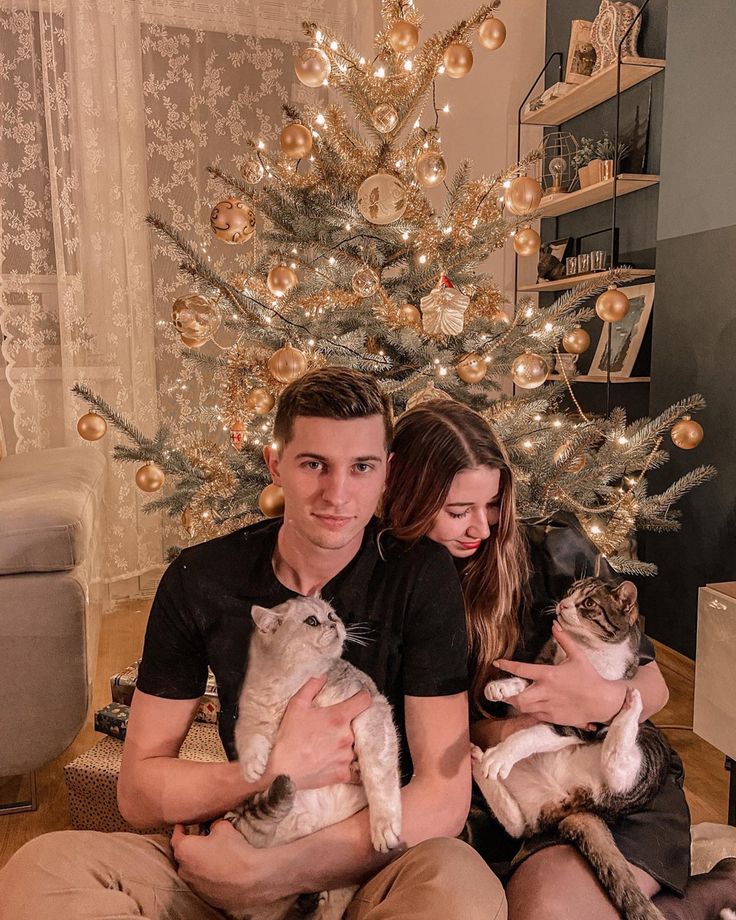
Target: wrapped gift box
123 684
92 779
113 720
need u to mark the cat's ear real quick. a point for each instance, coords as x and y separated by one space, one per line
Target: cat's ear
266 620
627 593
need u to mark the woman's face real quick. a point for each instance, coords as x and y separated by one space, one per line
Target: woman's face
471 508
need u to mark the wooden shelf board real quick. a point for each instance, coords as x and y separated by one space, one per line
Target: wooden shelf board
596 89
565 284
586 378
554 205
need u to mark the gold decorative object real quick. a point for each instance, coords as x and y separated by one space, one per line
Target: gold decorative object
458 59
612 305
287 364
492 33
260 400
430 168
403 37
523 195
382 199
409 314
91 426
296 141
365 281
472 368
252 171
384 118
529 371
237 435
232 221
443 310
526 241
573 464
427 394
196 319
149 477
686 434
312 67
281 279
271 501
576 341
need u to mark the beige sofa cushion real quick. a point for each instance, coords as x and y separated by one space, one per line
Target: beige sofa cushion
47 504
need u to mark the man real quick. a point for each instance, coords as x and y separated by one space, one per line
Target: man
332 436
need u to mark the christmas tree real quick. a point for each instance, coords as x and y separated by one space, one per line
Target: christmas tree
348 263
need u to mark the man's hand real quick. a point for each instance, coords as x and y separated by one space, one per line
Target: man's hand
314 745
224 869
569 693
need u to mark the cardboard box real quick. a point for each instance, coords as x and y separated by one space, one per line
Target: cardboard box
123 684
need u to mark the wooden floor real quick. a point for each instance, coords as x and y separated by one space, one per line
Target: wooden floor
121 642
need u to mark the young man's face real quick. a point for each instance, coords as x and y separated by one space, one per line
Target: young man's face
332 473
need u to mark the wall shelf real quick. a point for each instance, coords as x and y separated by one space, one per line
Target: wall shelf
554 205
596 89
587 378
564 284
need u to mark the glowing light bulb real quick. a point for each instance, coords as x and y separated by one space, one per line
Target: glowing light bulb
320 119
261 145
507 183
332 260
441 68
405 235
333 45
422 259
446 108
529 311
380 73
319 36
408 64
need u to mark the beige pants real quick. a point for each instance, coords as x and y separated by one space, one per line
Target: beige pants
87 875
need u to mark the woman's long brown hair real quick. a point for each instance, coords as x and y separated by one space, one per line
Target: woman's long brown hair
433 443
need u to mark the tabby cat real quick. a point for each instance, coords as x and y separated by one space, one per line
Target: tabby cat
299 639
556 777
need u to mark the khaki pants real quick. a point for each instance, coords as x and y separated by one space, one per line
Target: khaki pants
87 875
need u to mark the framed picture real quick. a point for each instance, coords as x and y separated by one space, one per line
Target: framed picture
626 335
580 53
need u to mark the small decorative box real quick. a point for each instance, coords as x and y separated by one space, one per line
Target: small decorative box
113 720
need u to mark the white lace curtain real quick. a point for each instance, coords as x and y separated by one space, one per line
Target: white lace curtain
111 109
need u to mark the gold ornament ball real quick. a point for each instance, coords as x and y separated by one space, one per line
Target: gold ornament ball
382 198
312 67
281 279
149 478
195 317
523 195
612 305
526 241
91 426
403 36
409 314
192 341
492 33
686 433
252 171
529 371
287 364
472 369
232 221
458 59
365 281
430 168
576 341
572 464
260 400
385 118
296 141
271 501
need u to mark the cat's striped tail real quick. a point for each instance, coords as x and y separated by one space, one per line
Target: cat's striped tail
591 836
259 815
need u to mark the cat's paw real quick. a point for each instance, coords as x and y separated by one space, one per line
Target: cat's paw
497 691
385 831
254 756
496 763
476 753
632 703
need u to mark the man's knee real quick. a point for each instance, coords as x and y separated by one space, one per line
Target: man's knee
548 877
48 849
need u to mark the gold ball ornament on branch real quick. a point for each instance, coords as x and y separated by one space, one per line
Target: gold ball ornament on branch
430 168
91 426
409 315
523 195
260 400
529 371
472 369
458 60
382 199
492 33
384 118
287 364
281 279
312 67
687 433
576 341
252 171
612 305
526 241
296 141
232 221
196 319
403 37
149 477
365 281
271 501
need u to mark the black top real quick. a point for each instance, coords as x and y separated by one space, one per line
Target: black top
410 597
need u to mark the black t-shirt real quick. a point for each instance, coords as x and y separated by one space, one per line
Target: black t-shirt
410 597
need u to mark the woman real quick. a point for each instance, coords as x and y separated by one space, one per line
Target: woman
450 480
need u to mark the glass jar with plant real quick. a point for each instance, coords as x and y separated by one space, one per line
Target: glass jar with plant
605 152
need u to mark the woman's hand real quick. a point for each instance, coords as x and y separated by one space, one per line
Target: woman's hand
569 693
314 745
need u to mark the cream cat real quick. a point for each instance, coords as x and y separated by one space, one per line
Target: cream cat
299 639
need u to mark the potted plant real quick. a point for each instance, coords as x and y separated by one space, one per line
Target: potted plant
581 159
604 151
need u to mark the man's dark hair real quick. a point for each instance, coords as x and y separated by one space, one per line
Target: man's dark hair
331 392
